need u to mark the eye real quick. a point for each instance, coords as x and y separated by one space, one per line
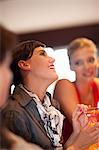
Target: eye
91 60
78 63
43 53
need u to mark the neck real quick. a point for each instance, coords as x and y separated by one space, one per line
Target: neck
83 86
37 87
86 94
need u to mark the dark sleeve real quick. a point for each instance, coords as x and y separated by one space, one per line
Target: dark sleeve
16 122
49 95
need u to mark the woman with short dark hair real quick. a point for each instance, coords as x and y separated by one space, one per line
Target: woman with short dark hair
29 112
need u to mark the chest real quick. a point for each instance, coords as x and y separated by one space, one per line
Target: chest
87 99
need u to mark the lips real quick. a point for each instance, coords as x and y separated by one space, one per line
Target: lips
52 66
89 74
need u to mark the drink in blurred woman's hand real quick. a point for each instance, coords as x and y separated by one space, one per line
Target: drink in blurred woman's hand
93 115
93 118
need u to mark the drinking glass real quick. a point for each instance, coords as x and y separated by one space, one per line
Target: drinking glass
93 118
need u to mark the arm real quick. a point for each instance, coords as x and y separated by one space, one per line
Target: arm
65 94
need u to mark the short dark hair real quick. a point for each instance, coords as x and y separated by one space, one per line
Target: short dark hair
23 51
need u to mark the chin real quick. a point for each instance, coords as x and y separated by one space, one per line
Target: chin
55 77
89 79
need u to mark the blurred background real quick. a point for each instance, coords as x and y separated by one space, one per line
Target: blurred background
54 22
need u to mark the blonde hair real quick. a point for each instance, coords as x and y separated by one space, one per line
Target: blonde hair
80 43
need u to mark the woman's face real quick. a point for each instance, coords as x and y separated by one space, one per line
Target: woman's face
5 80
83 62
42 65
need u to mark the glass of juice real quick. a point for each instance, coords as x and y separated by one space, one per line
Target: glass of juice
93 118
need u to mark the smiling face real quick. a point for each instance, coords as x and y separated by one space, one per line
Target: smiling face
41 66
83 62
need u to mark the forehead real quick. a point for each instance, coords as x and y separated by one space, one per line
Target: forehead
49 51
38 49
86 51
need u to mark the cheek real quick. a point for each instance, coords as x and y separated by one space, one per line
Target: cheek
39 65
5 81
4 89
76 68
78 71
93 67
8 78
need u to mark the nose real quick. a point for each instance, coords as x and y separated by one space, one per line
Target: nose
51 59
86 65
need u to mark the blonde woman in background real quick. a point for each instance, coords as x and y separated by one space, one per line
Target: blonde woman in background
85 88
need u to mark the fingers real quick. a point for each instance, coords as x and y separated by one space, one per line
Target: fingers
92 132
80 109
94 136
89 128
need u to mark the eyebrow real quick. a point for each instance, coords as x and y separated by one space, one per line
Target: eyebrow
40 51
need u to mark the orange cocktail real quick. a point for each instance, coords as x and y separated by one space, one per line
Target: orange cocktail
93 118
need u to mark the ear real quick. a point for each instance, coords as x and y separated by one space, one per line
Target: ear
24 65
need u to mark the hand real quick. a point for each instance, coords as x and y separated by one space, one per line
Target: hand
87 136
79 117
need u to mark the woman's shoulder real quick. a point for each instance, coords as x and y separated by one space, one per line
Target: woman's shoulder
64 82
64 87
96 81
